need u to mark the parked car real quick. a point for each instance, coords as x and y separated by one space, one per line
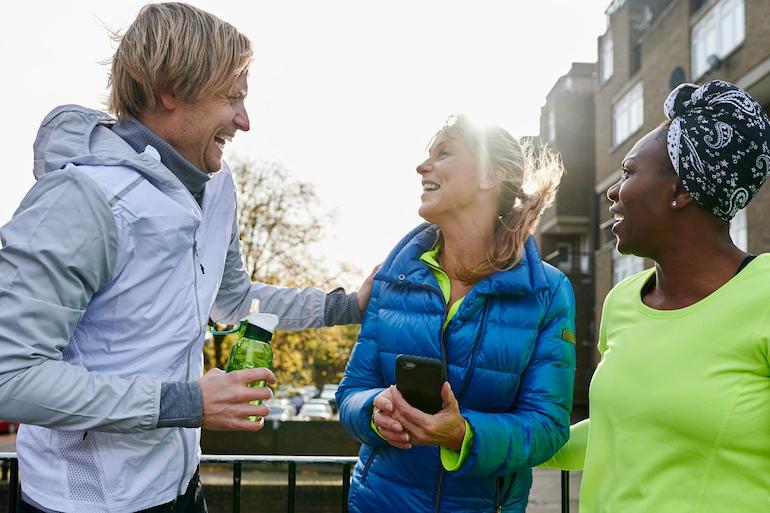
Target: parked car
281 412
331 403
7 426
315 411
309 391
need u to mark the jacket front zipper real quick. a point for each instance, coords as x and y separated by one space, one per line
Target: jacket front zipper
368 464
185 450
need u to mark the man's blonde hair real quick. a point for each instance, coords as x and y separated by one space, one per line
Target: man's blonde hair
175 48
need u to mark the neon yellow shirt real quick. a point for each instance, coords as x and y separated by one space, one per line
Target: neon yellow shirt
680 404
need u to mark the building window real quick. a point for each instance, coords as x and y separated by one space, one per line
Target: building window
738 230
628 114
624 266
585 255
607 64
551 125
718 33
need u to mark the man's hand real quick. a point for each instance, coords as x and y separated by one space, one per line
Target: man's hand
365 292
226 399
446 428
390 429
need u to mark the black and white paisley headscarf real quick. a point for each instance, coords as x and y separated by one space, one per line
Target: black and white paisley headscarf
719 144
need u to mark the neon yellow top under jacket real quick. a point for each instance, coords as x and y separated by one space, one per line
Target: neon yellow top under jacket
680 404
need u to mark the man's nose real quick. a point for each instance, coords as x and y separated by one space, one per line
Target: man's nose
241 120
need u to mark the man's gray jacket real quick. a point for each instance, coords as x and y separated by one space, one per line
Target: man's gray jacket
109 271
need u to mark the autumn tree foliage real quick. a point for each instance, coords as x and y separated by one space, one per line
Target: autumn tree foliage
280 219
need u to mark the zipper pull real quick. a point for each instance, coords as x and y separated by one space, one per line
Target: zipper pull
203 271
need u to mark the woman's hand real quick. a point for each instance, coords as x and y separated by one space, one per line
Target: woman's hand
390 429
446 428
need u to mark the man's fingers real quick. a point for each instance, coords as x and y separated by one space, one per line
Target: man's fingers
251 375
248 394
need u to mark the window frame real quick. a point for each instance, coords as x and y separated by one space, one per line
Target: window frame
631 103
708 34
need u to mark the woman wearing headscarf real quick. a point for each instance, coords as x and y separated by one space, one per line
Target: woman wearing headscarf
680 402
467 288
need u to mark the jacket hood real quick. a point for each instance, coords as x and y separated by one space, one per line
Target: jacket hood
402 266
71 134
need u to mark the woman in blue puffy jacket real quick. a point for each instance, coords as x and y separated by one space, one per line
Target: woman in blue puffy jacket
468 288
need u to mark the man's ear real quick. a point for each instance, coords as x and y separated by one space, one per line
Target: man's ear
168 100
492 179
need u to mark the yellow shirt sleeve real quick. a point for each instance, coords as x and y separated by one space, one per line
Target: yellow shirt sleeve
453 460
572 455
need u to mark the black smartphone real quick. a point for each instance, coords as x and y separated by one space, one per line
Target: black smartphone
419 379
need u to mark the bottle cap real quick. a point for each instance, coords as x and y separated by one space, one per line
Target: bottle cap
260 326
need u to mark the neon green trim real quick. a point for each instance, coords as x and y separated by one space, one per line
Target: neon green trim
453 460
430 258
375 428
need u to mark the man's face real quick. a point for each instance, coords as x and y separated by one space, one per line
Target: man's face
207 124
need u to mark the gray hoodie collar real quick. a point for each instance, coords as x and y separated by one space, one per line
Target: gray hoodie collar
139 137
72 134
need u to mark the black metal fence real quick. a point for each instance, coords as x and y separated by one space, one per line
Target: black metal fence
9 471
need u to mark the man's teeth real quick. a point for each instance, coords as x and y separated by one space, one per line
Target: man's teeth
430 186
220 140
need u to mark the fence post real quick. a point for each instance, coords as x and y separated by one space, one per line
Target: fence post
292 485
13 490
237 487
564 491
345 486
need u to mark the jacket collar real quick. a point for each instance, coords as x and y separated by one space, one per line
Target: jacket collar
403 266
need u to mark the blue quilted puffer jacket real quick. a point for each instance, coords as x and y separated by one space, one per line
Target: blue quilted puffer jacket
511 361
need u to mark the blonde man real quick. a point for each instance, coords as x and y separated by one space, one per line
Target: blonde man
111 266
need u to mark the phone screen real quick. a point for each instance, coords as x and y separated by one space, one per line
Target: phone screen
419 379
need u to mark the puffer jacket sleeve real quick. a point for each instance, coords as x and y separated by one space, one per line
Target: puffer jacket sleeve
363 379
58 250
539 425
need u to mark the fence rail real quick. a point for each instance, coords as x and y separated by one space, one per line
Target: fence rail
9 470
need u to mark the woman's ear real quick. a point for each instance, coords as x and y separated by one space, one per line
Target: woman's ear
680 197
493 179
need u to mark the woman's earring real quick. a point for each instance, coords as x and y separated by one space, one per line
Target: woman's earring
673 204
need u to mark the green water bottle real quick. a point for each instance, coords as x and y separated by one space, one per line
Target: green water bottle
252 349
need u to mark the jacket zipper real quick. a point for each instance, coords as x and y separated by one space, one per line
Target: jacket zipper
185 449
368 464
438 491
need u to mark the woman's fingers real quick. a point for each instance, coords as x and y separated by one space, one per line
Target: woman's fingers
384 421
400 440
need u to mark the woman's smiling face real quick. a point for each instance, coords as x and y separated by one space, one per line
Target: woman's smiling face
451 180
641 199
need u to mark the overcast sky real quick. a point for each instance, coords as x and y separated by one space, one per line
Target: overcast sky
346 94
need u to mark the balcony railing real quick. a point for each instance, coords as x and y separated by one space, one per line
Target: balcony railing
9 470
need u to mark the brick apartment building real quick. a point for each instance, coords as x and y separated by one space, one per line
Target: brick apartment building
566 229
650 47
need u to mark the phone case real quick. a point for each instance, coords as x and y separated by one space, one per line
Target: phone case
419 379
